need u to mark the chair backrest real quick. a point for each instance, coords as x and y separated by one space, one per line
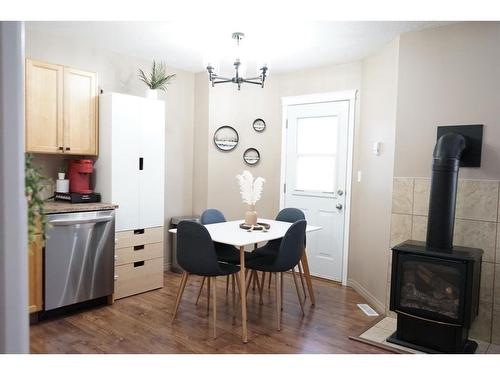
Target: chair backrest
195 249
291 247
212 216
289 215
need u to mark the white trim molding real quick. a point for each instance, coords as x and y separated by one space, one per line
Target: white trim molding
350 96
375 303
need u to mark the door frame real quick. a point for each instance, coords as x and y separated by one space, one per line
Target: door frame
336 96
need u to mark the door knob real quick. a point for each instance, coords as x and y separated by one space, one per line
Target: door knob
339 206
340 192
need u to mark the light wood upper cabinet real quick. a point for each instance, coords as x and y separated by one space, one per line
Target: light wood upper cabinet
61 109
44 107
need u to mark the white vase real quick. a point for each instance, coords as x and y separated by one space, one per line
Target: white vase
151 94
251 215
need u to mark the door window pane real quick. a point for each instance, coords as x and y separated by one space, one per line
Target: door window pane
317 135
317 139
315 173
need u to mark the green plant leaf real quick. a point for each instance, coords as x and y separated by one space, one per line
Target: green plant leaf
158 78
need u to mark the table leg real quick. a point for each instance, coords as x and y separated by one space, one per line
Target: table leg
307 275
243 295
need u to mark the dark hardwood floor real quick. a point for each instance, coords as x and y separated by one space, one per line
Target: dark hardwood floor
141 324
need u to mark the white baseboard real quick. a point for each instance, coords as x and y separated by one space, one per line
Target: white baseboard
375 303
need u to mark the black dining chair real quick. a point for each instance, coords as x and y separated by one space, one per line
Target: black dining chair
289 215
196 255
225 253
286 259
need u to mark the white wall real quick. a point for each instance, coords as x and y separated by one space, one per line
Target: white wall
228 106
14 336
372 197
239 109
448 75
118 73
200 144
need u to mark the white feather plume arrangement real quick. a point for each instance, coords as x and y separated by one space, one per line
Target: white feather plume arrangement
250 190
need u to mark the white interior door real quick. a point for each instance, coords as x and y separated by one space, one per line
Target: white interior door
315 179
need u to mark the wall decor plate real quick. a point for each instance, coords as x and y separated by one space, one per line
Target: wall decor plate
259 125
251 156
226 138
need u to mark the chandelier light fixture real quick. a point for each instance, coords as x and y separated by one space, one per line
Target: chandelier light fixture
237 79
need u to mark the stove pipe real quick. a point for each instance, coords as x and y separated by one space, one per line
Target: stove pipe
445 165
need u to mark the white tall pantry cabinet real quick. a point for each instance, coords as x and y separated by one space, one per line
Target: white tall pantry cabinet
130 172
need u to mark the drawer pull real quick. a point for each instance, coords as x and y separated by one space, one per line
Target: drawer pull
116 277
138 264
138 247
139 231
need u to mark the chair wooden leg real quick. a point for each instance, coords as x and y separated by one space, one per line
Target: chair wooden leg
227 285
238 285
179 294
281 288
270 277
234 294
278 301
208 296
302 281
249 280
255 279
298 292
261 288
201 288
214 305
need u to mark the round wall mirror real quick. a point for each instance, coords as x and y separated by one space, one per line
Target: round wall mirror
226 138
259 125
251 156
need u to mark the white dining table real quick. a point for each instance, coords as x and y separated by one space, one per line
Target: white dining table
229 232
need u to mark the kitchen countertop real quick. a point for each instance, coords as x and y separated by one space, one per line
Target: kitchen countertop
52 207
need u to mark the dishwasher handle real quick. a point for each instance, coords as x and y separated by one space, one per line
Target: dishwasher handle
81 221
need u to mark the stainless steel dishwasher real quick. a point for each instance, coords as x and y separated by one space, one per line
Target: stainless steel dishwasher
79 257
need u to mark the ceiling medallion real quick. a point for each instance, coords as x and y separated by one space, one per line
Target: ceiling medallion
237 79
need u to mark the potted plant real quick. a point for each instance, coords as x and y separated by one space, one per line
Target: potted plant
251 191
33 182
157 80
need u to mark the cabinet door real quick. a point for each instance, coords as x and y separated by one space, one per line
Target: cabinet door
44 107
125 138
152 175
80 112
35 257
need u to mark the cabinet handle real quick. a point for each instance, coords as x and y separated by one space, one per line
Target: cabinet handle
61 148
138 231
68 149
138 247
141 164
138 264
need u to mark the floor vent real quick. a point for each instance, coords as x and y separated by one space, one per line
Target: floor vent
367 309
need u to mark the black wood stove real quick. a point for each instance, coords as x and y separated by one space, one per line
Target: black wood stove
435 285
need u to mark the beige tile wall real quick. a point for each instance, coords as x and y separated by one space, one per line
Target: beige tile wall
477 224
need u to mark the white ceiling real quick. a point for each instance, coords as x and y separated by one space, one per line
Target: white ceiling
284 46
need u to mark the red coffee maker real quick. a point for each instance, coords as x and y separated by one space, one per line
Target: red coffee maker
79 171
